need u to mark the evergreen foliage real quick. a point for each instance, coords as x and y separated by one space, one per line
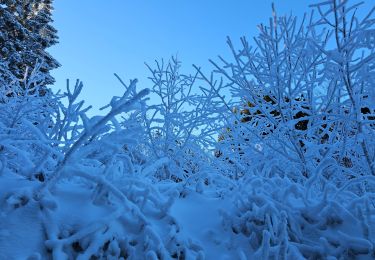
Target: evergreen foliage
26 33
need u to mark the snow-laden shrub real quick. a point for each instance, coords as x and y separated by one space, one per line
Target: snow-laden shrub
180 126
296 146
300 136
26 120
302 94
81 182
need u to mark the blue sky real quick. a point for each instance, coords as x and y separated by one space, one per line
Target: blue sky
98 38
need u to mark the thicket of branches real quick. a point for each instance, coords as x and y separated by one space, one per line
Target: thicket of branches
306 95
302 133
293 147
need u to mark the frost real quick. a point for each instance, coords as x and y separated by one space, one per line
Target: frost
269 156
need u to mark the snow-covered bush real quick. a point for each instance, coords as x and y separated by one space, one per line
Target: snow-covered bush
294 165
349 77
180 127
25 123
301 137
308 92
77 181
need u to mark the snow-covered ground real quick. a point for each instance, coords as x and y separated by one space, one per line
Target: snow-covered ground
200 218
184 225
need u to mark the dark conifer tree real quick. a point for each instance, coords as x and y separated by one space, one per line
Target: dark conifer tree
26 33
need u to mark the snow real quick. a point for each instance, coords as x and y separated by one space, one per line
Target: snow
289 176
20 229
201 220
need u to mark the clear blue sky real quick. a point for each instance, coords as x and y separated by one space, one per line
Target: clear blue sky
98 38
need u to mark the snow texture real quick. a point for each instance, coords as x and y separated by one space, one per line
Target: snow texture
271 156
